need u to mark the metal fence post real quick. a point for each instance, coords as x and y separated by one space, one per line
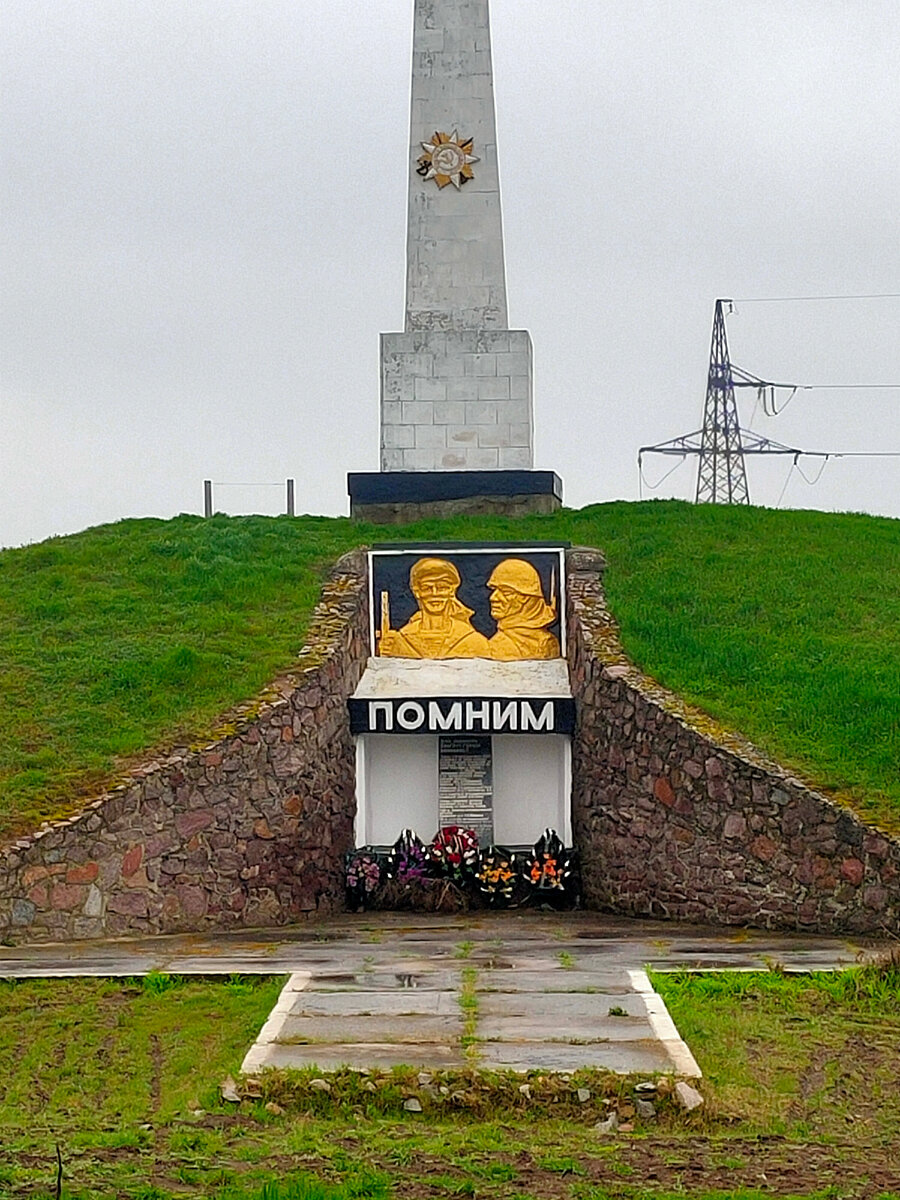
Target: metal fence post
207 498
290 498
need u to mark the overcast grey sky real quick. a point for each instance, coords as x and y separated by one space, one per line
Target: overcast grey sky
203 224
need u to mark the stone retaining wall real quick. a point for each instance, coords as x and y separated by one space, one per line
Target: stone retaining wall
674 821
250 830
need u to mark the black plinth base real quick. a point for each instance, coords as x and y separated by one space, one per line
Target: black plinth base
401 497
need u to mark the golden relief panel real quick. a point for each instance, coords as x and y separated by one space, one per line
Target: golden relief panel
441 626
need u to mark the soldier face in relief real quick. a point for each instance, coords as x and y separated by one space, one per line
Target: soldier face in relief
433 594
505 602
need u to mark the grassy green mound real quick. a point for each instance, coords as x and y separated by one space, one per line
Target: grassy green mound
127 638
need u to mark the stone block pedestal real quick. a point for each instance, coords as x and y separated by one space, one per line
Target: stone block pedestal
456 400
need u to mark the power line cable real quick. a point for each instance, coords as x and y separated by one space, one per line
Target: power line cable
819 387
798 299
795 466
805 477
746 379
760 395
653 486
786 482
721 445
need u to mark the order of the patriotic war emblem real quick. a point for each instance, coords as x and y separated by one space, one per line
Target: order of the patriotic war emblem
447 159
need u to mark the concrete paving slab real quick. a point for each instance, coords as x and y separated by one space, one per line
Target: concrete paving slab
434 981
555 982
371 1004
575 1017
359 1057
644 1057
573 1030
548 1015
559 1006
622 941
386 963
536 959
397 1029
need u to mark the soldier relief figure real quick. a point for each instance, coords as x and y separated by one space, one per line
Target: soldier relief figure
442 627
521 613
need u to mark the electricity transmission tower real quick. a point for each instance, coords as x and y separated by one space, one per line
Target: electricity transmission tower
721 445
721 474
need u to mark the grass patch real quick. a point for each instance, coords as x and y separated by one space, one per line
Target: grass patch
124 1077
305 1188
468 1005
299 1187
796 1055
124 638
115 1053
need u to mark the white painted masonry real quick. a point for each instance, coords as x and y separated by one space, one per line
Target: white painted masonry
664 1027
456 386
456 401
397 773
455 272
397 787
462 677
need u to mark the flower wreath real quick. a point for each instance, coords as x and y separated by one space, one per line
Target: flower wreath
454 852
551 867
497 875
363 876
407 860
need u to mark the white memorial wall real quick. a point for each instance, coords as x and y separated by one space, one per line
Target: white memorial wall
397 787
464 714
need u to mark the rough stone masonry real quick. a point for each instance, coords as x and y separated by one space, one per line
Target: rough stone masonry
248 830
456 385
675 818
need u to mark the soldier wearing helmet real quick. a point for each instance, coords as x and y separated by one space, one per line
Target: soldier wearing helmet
442 628
521 613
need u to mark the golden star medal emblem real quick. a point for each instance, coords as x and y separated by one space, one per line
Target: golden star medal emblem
447 160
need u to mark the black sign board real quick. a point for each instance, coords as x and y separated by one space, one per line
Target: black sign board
465 785
463 715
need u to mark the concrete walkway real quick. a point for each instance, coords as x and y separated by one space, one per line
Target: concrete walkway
523 990
630 943
513 1004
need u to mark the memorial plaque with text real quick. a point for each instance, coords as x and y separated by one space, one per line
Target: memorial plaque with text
465 785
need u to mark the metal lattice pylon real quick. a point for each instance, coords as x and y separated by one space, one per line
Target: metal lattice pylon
721 474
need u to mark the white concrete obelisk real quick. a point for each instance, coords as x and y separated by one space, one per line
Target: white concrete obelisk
455 277
456 385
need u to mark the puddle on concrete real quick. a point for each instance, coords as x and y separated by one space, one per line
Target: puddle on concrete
707 947
550 989
369 980
549 1041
